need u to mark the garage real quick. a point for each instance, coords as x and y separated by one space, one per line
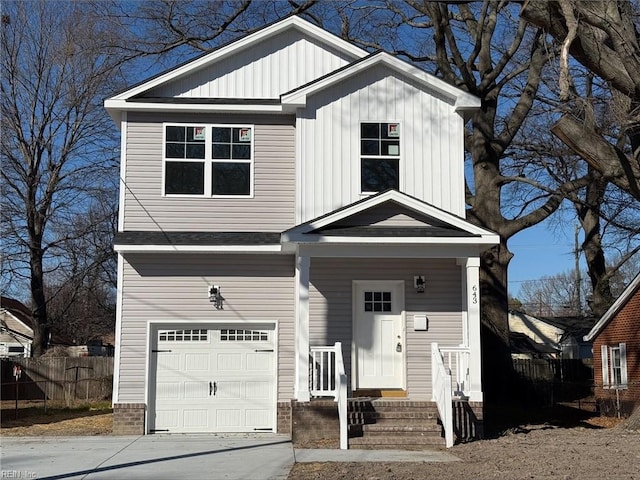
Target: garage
214 380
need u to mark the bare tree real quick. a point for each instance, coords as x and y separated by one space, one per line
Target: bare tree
57 154
603 36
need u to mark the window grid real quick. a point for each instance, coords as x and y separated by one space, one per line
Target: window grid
183 335
228 335
379 156
377 301
208 160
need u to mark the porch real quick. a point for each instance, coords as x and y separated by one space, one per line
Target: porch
386 419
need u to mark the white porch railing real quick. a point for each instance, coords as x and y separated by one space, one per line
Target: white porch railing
441 386
328 378
456 360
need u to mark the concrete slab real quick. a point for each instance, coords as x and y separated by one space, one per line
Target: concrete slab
321 455
148 457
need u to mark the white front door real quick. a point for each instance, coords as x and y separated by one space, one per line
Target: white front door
215 380
379 334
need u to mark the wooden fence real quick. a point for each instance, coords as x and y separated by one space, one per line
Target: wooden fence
58 378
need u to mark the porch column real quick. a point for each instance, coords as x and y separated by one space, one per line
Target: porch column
473 328
301 392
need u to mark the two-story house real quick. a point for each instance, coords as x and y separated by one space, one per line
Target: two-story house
292 225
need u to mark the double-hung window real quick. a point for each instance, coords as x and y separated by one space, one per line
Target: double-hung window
208 160
379 157
614 366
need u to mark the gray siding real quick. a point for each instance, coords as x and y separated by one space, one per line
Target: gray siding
330 307
165 288
271 208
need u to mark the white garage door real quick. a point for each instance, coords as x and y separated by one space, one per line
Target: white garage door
215 380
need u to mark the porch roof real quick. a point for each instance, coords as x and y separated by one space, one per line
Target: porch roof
390 217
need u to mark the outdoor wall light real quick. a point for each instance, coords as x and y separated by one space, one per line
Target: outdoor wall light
215 296
419 283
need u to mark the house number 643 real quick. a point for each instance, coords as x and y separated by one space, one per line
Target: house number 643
474 294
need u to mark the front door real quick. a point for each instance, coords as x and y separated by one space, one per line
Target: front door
379 334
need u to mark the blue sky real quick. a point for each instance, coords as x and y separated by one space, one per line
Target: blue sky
540 251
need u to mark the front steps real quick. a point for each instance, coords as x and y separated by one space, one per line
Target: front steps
393 424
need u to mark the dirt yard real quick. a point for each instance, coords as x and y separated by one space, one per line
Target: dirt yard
586 448
588 451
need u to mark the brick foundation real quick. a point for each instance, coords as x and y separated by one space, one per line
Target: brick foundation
468 421
284 418
314 421
128 418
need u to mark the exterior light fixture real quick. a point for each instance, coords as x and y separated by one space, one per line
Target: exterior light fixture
215 296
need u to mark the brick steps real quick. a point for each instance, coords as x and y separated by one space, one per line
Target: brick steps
389 424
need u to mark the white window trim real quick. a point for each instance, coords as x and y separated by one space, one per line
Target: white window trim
379 157
208 159
607 367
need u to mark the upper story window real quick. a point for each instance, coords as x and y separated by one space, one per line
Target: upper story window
379 156
208 160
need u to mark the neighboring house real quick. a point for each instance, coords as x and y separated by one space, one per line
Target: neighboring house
543 338
282 193
616 353
553 337
16 331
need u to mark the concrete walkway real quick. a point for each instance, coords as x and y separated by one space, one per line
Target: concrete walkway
170 457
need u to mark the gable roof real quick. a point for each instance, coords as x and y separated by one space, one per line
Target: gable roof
620 302
440 225
118 101
15 319
18 310
130 99
461 99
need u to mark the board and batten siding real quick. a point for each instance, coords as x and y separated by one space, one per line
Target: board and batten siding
331 307
173 287
270 210
266 70
431 142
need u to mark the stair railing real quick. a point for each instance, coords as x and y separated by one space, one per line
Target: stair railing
441 388
328 378
456 361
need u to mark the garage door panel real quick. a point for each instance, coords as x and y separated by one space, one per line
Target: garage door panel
196 362
229 362
195 418
215 380
193 390
259 362
168 390
228 391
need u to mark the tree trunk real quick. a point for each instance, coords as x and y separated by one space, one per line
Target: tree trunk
38 304
497 367
589 215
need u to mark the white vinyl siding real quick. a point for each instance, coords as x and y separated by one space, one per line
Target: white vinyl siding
269 69
271 208
330 308
432 157
173 288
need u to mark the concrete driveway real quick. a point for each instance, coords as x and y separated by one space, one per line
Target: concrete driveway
241 456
